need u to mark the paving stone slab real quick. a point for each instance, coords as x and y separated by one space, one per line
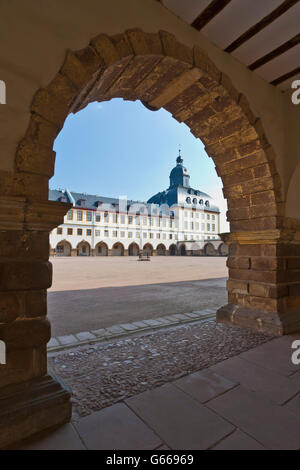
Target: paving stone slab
152 322
192 315
52 343
275 427
204 385
67 339
180 421
85 335
128 326
100 332
116 428
116 329
63 438
238 440
274 355
277 388
140 324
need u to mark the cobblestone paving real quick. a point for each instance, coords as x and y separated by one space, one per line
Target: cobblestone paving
102 374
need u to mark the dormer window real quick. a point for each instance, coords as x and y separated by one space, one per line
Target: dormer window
63 199
98 203
81 202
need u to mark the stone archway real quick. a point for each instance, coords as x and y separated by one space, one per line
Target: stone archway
148 249
223 249
63 248
133 249
101 249
209 249
172 250
83 248
182 250
117 249
161 72
161 250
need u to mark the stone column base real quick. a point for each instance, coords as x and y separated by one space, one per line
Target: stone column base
272 323
31 407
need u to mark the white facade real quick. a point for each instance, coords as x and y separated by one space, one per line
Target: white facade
98 231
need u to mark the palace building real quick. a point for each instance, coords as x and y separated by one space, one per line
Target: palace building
178 221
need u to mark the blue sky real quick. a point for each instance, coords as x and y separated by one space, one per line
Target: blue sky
119 147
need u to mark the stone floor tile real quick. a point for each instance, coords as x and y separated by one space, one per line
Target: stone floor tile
192 315
273 386
100 332
204 385
63 438
238 440
116 329
116 428
273 426
85 335
52 343
274 355
128 326
153 322
140 324
180 421
67 339
293 405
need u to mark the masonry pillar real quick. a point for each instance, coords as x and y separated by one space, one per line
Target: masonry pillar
30 400
264 281
73 252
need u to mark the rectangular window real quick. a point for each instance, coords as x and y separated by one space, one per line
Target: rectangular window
129 234
70 215
208 216
185 225
144 220
88 232
97 233
145 235
202 227
79 215
59 231
115 218
170 236
197 226
79 231
130 220
151 235
202 216
137 221
192 225
106 217
213 227
106 233
122 234
158 235
122 219
115 233
70 231
213 217
164 236
208 227
89 217
98 217
137 235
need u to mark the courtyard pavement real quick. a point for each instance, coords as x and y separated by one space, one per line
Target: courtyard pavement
248 402
99 292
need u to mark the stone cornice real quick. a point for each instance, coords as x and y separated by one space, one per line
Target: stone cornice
262 237
17 213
